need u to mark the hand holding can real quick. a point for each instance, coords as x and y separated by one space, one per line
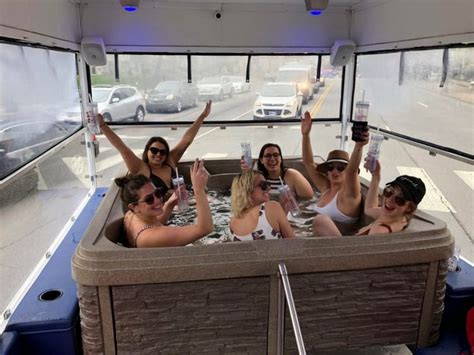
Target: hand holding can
247 154
91 116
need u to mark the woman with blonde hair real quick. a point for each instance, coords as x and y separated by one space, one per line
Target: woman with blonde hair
254 216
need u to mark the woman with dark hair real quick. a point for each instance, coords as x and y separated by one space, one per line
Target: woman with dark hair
400 198
271 164
158 161
143 222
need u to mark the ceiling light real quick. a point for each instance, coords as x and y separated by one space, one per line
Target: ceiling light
130 5
316 7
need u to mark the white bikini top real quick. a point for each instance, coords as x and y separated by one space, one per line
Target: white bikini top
333 211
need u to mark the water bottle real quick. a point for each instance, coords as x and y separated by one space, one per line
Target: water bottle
359 125
183 198
374 151
247 153
288 200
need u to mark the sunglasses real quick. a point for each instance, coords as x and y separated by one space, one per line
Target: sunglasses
155 151
264 185
269 156
339 167
150 198
399 199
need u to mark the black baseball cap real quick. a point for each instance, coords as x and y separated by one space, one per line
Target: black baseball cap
412 187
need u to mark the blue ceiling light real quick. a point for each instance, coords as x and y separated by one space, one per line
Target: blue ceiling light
316 7
130 5
315 12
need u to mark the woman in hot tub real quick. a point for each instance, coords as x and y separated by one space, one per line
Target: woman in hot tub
400 199
143 223
254 216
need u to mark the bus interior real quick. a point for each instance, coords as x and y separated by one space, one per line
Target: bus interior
158 63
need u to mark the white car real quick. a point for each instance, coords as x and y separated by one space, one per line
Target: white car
215 87
239 84
278 100
119 102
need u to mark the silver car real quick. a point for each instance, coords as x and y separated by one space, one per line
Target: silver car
119 102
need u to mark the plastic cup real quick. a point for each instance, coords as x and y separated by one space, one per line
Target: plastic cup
91 116
183 201
360 120
247 153
289 202
374 151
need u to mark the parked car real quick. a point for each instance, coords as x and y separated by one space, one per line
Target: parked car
119 102
321 81
172 96
303 75
216 87
278 100
239 84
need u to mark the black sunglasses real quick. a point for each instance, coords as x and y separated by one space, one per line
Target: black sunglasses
399 199
269 156
339 167
264 185
155 151
150 198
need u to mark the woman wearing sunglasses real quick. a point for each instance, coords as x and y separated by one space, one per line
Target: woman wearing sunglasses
400 199
254 216
158 162
143 222
337 179
271 164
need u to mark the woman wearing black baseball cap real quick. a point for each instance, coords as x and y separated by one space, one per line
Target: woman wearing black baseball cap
400 200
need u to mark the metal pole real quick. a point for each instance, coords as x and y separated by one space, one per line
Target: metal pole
292 309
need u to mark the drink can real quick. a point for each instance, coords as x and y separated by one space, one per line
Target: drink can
359 125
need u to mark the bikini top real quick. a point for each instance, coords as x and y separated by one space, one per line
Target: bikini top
159 182
366 232
262 231
331 210
275 183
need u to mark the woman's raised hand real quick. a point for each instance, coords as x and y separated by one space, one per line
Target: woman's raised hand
306 124
100 120
207 109
243 165
199 175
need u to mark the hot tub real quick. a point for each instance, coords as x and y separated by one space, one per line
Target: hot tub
349 292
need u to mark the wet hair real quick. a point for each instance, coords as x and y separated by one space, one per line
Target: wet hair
241 191
150 142
129 186
260 165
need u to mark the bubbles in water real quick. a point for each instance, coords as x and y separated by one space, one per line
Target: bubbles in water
219 202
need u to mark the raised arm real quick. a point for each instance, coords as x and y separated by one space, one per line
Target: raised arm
188 137
320 181
371 207
299 184
178 236
351 186
134 164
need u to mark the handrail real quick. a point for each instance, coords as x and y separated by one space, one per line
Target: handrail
291 307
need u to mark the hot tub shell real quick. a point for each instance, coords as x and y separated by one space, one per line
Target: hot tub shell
349 292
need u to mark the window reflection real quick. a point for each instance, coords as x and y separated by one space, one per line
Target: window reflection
39 102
